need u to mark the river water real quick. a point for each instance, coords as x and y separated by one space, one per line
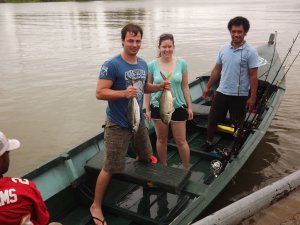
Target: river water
51 53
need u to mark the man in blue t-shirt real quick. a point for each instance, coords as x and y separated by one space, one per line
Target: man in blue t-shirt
122 79
236 67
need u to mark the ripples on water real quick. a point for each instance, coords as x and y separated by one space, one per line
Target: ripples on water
51 52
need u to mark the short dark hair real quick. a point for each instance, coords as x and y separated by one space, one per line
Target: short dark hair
237 21
131 28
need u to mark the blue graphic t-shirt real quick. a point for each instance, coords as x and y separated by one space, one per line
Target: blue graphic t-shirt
123 74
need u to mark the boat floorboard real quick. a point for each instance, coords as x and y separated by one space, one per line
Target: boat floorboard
136 203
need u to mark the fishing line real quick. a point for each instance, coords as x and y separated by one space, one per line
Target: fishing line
265 97
288 53
289 68
240 71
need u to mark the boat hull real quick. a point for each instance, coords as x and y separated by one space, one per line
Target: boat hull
68 187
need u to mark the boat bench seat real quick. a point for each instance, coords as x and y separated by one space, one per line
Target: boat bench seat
200 110
203 111
147 174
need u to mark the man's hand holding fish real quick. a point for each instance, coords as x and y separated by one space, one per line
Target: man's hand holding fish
130 92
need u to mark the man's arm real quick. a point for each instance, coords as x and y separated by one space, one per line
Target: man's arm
104 91
214 77
253 88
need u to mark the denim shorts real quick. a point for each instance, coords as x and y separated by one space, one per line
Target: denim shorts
116 141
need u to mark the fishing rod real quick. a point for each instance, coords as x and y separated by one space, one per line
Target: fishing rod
288 53
279 69
262 102
272 39
275 42
246 126
289 68
266 92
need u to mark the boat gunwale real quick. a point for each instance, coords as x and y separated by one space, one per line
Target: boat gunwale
64 156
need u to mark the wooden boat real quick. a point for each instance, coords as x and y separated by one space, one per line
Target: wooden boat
148 193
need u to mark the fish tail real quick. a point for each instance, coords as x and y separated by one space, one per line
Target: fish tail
163 76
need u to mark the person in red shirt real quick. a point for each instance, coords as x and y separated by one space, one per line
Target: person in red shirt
20 201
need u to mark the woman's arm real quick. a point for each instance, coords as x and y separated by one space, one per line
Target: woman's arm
186 93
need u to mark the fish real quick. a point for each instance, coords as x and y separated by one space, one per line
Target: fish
166 107
133 114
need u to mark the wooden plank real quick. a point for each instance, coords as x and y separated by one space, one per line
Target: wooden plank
147 174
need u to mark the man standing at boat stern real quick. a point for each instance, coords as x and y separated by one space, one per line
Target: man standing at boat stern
123 79
236 68
20 201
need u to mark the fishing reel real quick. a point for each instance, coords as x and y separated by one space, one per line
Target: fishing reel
238 132
215 167
256 123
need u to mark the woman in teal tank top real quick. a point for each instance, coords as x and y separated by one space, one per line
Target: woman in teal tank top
176 70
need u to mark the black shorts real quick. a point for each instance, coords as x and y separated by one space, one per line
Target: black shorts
221 104
180 114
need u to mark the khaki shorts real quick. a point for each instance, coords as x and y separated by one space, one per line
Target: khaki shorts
116 141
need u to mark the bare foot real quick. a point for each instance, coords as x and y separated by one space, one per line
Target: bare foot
97 215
